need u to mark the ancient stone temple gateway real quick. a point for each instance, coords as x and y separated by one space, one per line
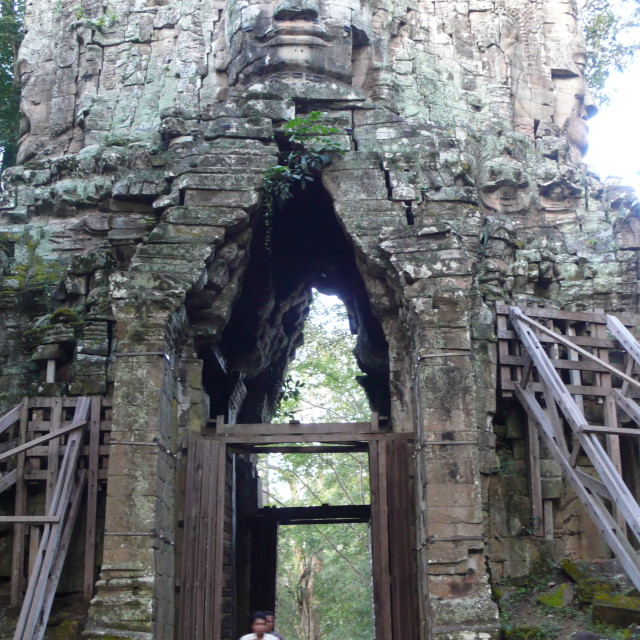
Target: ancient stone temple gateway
139 295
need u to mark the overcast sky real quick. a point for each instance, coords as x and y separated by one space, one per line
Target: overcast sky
614 133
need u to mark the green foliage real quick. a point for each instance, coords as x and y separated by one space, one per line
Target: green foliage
611 30
11 33
324 571
326 370
290 393
311 148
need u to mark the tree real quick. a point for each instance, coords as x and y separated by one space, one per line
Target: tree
11 33
322 385
612 29
324 571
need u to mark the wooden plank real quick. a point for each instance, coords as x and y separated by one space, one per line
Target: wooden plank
620 431
330 513
29 519
10 418
630 407
60 555
572 364
503 353
535 481
36 589
275 429
385 568
572 389
204 571
611 422
583 341
376 551
575 375
572 345
8 480
53 456
345 448
589 442
34 543
548 519
624 336
602 519
554 416
216 627
185 618
17 563
556 314
38 441
333 438
92 498
593 484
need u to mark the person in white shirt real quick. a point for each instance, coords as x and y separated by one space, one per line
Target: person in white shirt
258 628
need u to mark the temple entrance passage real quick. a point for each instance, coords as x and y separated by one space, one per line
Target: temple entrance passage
318 500
229 551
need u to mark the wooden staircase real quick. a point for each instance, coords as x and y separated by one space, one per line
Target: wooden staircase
563 366
54 460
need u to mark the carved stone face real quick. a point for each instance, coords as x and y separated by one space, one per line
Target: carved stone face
560 187
292 40
503 185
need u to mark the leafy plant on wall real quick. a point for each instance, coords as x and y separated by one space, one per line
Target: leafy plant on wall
312 144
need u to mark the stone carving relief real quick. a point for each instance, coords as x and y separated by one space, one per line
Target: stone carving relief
573 105
503 181
560 186
293 40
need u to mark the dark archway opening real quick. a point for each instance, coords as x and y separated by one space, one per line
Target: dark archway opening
308 249
244 369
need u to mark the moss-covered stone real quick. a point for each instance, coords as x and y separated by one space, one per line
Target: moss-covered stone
618 611
523 633
68 630
588 584
559 597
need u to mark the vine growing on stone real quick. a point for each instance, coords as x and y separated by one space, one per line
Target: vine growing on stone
311 146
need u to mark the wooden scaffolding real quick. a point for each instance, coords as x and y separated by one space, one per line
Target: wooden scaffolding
57 447
575 374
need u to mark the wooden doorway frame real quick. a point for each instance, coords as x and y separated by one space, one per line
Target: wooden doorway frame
392 519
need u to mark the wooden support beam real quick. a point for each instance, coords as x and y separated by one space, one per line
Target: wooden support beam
53 454
92 498
29 519
518 315
345 448
548 519
624 337
59 556
535 482
289 430
10 418
601 517
38 441
19 532
8 480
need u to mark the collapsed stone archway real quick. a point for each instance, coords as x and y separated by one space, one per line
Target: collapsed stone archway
307 249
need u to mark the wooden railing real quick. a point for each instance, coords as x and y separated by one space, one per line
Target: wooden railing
48 438
553 376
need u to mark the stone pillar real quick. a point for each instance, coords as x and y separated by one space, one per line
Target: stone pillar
135 595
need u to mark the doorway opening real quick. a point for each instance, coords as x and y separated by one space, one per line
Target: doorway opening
321 504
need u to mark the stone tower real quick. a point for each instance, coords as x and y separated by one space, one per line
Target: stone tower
133 250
